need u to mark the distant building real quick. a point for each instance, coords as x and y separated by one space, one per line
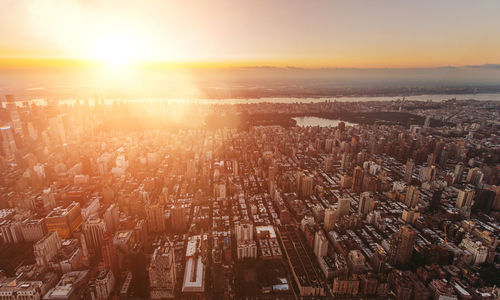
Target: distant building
357 179
244 232
329 220
94 229
72 286
33 230
402 244
194 274
102 286
155 214
46 248
412 196
344 205
320 244
409 167
162 272
64 220
366 203
465 197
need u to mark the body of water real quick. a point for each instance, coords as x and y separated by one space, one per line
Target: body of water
436 98
315 121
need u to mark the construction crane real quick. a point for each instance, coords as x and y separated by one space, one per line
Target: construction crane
445 235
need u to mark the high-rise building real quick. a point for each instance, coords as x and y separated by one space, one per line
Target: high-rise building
428 173
46 248
475 176
94 229
357 179
436 199
64 221
33 230
427 122
366 203
465 197
402 244
112 218
8 142
244 232
328 163
344 205
410 166
307 185
298 179
320 244
412 196
155 214
458 173
410 216
178 218
109 255
329 220
102 286
162 272
11 231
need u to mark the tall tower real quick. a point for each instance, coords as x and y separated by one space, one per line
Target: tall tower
109 254
329 220
155 214
436 199
320 244
307 185
357 179
402 244
365 203
465 198
94 230
8 142
410 165
458 173
344 205
412 196
244 232
162 272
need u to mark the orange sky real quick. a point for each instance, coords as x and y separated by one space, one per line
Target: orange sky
361 34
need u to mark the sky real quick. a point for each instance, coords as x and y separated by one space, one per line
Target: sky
308 34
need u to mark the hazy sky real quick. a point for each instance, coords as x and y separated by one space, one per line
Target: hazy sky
261 32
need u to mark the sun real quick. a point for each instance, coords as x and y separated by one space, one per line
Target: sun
118 49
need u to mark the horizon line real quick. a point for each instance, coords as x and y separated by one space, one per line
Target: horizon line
20 63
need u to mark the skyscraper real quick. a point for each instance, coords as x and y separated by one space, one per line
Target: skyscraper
365 203
94 229
344 205
244 232
465 198
46 248
402 244
357 179
109 255
307 185
458 173
412 196
410 165
329 220
155 214
162 272
436 199
112 218
475 176
8 142
320 244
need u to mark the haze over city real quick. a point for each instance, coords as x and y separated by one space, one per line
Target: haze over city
249 150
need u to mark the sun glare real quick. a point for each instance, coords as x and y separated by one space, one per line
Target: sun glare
118 50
